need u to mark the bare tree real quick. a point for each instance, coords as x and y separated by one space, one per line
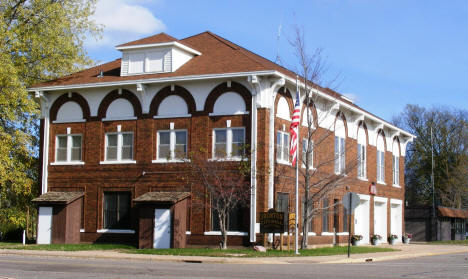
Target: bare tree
226 183
326 173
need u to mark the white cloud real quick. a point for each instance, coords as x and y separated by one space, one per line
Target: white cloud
123 21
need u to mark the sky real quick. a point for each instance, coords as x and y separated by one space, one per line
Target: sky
386 54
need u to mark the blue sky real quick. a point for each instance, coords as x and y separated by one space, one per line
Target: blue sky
387 53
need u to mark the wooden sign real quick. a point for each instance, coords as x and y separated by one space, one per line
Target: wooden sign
292 221
271 222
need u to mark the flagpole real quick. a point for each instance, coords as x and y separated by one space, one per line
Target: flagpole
297 179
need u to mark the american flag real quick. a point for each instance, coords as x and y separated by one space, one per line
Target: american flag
294 129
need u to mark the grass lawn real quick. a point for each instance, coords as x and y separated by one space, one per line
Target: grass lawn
325 251
65 247
449 242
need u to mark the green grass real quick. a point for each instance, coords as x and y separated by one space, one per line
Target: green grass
325 251
66 247
449 242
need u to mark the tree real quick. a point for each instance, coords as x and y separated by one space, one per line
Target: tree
450 147
39 40
319 179
226 185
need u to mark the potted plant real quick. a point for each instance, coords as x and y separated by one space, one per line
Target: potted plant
356 239
407 238
376 239
392 238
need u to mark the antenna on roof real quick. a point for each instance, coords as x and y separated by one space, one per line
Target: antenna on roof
101 74
278 59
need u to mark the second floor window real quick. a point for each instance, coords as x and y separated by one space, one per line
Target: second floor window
68 148
282 147
361 160
380 166
172 145
305 153
339 155
119 146
229 143
396 170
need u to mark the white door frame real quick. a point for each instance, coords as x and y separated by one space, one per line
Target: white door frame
396 215
44 224
380 217
162 228
362 218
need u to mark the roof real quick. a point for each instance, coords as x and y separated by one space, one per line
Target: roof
167 197
452 212
155 39
58 197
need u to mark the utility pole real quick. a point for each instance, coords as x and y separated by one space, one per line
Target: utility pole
434 219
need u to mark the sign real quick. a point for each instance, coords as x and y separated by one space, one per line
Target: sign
292 221
372 189
350 201
271 222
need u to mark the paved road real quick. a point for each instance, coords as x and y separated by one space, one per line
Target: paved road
442 266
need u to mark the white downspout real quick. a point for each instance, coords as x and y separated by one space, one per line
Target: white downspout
253 80
45 148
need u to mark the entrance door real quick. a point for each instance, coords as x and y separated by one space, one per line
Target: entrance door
44 231
361 220
380 219
396 221
162 229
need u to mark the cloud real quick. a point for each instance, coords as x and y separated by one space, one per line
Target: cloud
123 21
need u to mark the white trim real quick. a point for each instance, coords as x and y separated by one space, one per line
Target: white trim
234 233
381 182
364 197
82 230
69 121
311 234
119 118
327 233
176 44
342 233
222 114
70 163
172 144
396 186
283 162
172 116
117 162
163 161
69 136
188 232
115 231
228 144
396 201
380 199
362 179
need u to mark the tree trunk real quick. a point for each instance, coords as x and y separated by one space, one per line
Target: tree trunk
223 228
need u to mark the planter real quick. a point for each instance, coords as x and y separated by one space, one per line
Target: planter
392 241
406 240
356 242
375 241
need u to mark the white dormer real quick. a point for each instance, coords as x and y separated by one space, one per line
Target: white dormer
164 57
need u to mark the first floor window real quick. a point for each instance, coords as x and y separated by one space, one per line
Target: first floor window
396 170
325 216
116 210
308 154
282 204
119 146
339 155
235 220
361 161
282 147
311 220
380 166
229 142
345 220
68 148
172 144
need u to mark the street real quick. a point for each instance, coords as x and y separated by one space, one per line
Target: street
441 266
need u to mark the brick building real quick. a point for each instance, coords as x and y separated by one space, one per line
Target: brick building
114 135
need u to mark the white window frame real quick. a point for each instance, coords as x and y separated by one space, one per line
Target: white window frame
282 161
172 144
362 161
68 161
228 156
304 140
340 156
380 167
119 149
396 170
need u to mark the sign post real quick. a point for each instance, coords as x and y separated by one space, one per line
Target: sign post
350 202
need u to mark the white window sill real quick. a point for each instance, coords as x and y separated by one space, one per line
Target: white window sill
188 232
115 231
236 159
69 121
221 114
283 162
396 186
163 161
82 230
326 233
311 168
71 163
172 116
228 233
287 119
381 183
342 233
117 162
363 179
308 234
119 118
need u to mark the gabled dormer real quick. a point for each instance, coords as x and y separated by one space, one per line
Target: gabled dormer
160 53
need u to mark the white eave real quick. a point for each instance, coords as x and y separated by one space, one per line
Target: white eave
176 44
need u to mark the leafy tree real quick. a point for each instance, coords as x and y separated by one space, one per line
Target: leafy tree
450 147
39 40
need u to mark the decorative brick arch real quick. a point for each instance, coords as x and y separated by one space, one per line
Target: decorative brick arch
223 88
166 92
363 124
341 115
284 92
64 98
114 95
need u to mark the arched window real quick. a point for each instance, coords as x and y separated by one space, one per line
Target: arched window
340 135
229 103
120 109
173 105
396 162
380 158
361 152
282 109
308 117
70 112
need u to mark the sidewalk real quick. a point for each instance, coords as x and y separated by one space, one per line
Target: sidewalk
407 251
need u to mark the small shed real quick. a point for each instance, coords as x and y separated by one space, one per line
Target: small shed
59 218
162 219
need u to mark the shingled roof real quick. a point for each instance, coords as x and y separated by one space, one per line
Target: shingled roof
155 39
166 197
57 197
452 212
